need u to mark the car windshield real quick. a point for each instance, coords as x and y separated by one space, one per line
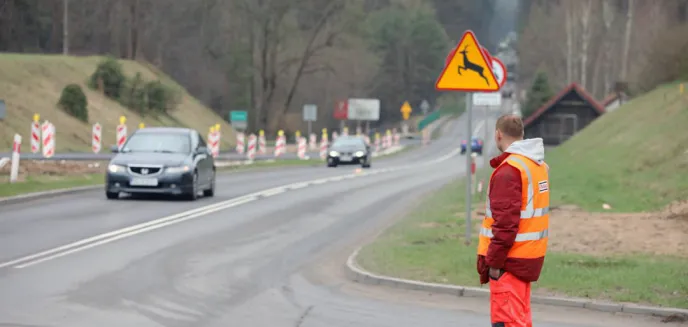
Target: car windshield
158 142
348 142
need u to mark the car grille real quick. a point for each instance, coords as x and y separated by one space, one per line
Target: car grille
145 170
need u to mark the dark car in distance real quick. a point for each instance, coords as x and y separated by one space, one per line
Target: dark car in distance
349 150
476 146
162 160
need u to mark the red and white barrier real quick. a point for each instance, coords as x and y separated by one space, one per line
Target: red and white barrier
334 136
48 139
96 138
262 147
397 137
323 146
345 131
480 187
377 142
35 137
16 150
240 146
214 142
251 151
367 139
301 151
280 145
313 142
121 135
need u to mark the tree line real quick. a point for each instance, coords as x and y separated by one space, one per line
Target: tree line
265 56
603 45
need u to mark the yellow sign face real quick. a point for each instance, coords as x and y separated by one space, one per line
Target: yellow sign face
405 115
467 69
406 108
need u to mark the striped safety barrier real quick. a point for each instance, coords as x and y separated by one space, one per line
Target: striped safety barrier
262 147
323 145
240 146
16 151
35 135
334 136
96 138
280 144
301 150
313 142
397 137
377 142
48 139
251 151
121 135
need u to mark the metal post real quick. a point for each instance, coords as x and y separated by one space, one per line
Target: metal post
310 128
469 200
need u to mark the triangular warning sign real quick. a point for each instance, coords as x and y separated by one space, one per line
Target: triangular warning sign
468 69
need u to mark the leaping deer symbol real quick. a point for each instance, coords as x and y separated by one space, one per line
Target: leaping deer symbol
468 65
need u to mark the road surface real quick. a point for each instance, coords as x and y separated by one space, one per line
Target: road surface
267 251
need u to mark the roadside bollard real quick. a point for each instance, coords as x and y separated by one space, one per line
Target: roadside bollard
16 150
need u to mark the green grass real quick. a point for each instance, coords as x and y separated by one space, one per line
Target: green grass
47 183
634 159
429 245
32 84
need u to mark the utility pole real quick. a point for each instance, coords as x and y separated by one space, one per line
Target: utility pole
469 200
65 27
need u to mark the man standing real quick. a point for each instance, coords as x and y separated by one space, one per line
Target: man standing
513 237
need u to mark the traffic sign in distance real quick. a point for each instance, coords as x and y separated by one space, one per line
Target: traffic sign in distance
499 71
406 110
468 69
424 106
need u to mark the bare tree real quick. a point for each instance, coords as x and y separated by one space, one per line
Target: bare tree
627 41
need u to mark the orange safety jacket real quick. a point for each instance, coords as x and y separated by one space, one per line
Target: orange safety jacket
533 228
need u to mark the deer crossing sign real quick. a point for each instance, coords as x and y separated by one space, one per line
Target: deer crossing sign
468 69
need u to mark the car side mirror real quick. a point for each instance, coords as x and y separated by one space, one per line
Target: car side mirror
114 149
202 150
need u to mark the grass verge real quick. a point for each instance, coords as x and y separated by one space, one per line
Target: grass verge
428 245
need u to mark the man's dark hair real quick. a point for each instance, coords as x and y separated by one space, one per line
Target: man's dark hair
510 125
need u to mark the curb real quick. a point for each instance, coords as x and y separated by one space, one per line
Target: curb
358 274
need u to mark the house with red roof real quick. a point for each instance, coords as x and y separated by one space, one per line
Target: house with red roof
563 115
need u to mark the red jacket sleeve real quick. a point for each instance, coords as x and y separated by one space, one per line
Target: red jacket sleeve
505 203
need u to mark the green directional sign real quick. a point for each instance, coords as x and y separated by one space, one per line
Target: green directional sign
238 118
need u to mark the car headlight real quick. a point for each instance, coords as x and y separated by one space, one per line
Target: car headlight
334 153
116 168
359 153
177 170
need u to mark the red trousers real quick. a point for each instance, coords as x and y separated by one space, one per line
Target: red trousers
510 302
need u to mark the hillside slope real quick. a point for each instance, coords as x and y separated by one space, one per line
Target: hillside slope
32 84
634 158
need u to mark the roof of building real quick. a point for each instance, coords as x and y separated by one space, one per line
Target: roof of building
572 87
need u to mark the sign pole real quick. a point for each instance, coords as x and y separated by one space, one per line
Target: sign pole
469 200
310 127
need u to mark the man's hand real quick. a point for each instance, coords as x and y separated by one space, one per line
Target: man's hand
495 273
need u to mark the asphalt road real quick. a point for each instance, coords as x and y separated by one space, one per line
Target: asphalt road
267 251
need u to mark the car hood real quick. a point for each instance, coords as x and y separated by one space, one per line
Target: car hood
148 158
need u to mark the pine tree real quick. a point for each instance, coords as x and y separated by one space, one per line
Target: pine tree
540 92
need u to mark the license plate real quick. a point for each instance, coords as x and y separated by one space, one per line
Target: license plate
345 158
144 182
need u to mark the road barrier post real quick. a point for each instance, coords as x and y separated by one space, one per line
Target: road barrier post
16 150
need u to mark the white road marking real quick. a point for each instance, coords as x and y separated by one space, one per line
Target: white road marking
274 191
477 128
133 230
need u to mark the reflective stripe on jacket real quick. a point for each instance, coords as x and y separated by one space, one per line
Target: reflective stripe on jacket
531 240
